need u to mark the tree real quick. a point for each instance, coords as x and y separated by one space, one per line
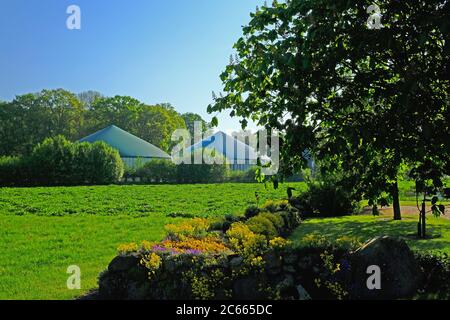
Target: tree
154 124
88 98
30 118
316 72
122 111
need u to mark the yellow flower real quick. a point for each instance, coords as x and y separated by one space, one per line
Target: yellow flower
147 245
152 262
127 248
194 226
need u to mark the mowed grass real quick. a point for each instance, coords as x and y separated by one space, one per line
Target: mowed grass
36 251
45 230
367 227
138 201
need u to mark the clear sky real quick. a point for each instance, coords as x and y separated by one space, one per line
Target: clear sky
154 50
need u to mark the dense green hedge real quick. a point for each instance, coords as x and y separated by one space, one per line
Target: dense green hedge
165 171
57 161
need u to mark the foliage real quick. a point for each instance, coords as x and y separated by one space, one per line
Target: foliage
199 255
190 119
328 195
365 227
435 269
57 161
165 171
262 224
154 124
316 72
252 211
216 171
12 171
195 227
31 118
157 171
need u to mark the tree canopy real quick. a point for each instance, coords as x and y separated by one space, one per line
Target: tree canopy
371 99
31 118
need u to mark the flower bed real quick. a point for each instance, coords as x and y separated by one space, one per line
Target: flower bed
204 259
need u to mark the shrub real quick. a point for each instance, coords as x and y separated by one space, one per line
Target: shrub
247 176
224 224
327 196
275 206
194 227
157 171
201 173
52 162
276 220
435 269
262 225
202 259
105 165
12 171
165 171
245 242
57 161
252 211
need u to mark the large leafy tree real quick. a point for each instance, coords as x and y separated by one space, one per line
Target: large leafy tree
30 118
371 99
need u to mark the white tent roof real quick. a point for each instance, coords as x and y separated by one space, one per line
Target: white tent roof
233 149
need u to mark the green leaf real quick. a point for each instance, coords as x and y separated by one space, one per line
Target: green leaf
214 122
434 200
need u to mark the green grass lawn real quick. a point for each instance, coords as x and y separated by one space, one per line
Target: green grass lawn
366 227
45 230
36 251
138 201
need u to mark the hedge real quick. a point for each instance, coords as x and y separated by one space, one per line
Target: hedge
56 161
165 171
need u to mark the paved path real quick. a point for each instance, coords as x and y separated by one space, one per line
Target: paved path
406 210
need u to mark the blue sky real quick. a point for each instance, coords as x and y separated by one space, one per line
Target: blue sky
157 51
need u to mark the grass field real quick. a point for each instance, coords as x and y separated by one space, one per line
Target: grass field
367 227
137 201
44 230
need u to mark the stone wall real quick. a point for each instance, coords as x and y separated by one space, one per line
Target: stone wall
288 273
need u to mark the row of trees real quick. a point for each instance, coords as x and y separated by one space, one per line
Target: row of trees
31 118
363 101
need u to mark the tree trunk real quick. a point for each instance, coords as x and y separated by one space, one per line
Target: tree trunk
396 202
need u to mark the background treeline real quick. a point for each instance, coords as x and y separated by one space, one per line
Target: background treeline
31 118
57 162
166 172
